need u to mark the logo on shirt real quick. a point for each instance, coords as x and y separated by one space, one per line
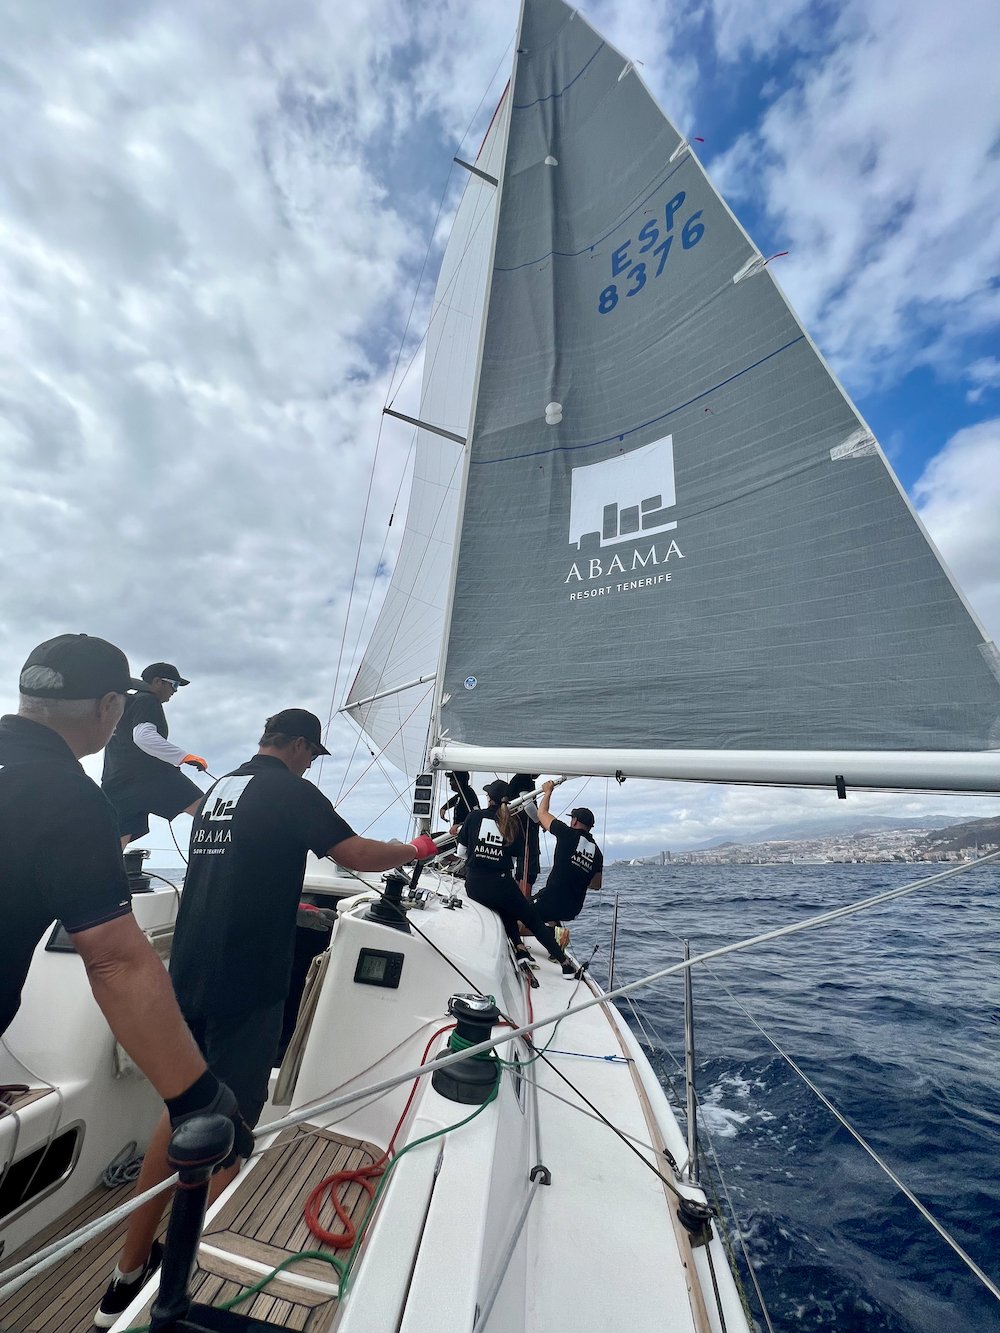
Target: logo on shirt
225 797
624 498
583 858
489 843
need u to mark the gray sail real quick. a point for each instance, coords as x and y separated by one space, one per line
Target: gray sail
678 533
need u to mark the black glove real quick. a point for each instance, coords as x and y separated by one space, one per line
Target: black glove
207 1096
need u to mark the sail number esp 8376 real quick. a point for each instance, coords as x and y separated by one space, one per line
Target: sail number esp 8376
656 240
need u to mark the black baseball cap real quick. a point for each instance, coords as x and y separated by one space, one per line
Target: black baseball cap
163 671
294 722
584 815
497 790
76 666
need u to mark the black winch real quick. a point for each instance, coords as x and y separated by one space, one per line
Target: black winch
470 1081
389 909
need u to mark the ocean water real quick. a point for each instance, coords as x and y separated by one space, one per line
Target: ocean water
895 1015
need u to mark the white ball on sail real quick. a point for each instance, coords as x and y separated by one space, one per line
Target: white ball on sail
553 414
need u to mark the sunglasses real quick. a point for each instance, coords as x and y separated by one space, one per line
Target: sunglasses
174 684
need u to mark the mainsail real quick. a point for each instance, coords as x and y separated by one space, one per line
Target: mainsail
682 551
392 692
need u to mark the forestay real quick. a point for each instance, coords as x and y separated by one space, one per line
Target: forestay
679 536
406 642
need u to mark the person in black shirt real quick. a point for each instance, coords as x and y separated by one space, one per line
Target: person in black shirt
142 774
492 839
234 941
577 865
462 803
529 860
62 859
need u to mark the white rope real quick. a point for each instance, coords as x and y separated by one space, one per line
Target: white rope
19 1272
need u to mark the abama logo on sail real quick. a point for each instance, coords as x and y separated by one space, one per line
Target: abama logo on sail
624 498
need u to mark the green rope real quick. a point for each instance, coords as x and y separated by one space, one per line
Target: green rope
343 1267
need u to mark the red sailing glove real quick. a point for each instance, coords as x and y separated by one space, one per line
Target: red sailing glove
425 847
196 761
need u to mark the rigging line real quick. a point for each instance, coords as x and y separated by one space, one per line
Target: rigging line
176 843
445 496
391 394
437 218
657 1152
658 1055
739 1229
879 1161
675 968
376 757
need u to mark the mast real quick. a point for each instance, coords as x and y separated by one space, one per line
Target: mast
434 727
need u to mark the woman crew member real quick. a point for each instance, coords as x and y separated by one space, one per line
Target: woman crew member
492 839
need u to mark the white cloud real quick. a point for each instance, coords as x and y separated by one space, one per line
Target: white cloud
958 498
985 375
877 164
210 225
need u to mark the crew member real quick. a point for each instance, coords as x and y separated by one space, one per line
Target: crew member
142 774
462 803
577 864
529 859
62 859
234 941
492 839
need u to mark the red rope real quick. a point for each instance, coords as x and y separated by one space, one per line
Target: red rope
340 1181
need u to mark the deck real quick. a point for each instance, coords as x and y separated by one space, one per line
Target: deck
258 1226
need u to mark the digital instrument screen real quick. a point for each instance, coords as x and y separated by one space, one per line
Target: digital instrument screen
379 967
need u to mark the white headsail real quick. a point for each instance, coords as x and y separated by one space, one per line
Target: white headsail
399 664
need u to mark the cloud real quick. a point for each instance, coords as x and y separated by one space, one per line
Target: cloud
211 223
958 498
985 375
876 163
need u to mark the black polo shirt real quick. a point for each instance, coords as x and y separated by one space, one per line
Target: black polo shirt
61 852
124 762
575 862
487 853
235 935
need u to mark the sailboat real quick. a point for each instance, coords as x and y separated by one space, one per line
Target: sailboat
726 584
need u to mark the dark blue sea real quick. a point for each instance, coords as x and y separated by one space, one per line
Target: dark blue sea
895 1015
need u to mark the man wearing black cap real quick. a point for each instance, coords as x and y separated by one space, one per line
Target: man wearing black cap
233 947
577 863
142 774
62 860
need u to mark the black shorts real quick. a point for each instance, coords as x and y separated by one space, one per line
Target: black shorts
166 795
240 1050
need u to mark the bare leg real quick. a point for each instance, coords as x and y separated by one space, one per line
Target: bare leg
145 1221
126 839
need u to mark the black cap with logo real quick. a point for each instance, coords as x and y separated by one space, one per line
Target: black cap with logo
294 722
76 666
163 671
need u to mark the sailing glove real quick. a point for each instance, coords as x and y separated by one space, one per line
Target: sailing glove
425 847
196 761
207 1096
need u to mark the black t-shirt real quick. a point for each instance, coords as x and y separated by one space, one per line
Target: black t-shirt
486 850
61 851
235 936
575 862
124 762
530 830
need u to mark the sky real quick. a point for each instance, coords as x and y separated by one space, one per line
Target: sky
214 231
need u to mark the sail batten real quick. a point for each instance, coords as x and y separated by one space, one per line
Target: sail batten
679 535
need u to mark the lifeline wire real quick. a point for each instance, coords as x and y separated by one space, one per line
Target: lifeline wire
17 1275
